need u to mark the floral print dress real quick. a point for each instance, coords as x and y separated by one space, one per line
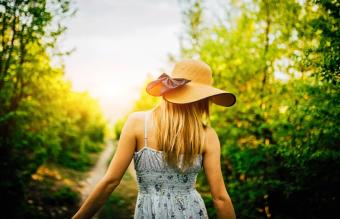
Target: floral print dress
164 192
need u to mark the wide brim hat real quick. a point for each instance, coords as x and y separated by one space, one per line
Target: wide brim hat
190 81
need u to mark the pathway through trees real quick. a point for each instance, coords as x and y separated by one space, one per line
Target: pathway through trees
121 203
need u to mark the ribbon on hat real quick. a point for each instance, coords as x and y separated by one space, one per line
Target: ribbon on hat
164 83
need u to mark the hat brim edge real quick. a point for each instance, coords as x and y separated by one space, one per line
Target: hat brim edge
218 96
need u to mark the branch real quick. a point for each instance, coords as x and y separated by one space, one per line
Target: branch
11 47
4 47
266 48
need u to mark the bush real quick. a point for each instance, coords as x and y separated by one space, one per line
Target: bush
64 196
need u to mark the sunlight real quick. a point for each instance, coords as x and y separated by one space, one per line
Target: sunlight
66 97
117 45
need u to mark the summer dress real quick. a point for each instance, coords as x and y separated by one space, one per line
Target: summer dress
164 192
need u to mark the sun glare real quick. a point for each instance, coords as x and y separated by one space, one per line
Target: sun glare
112 57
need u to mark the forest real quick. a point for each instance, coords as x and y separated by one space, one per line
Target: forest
42 121
280 143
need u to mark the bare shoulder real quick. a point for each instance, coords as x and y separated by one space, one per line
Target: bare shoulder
136 116
211 133
136 119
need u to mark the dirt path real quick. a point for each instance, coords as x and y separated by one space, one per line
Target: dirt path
98 171
121 203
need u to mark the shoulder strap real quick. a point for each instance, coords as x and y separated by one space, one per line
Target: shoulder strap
145 129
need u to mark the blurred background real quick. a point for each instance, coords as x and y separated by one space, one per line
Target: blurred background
71 71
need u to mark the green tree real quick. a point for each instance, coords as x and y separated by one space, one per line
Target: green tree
24 39
279 142
41 118
325 57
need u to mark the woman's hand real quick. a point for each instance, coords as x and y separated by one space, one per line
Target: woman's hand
96 199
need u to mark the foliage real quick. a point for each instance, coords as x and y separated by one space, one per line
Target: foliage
41 118
48 200
280 141
63 196
325 57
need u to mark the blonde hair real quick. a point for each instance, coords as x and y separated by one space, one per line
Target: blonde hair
180 130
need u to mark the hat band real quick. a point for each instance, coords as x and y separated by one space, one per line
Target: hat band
164 84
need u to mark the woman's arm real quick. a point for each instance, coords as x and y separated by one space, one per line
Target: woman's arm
96 199
212 169
114 173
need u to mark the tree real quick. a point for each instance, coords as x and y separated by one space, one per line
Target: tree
41 118
276 148
325 57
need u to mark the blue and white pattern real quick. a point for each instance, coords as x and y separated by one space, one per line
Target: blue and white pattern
164 192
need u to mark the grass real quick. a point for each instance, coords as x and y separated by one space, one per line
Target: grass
121 203
54 191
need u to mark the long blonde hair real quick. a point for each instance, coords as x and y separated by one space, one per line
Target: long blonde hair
180 130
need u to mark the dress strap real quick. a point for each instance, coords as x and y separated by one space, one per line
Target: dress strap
146 128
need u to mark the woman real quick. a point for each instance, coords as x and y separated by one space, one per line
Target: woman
169 145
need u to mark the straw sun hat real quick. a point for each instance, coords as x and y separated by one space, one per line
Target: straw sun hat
190 81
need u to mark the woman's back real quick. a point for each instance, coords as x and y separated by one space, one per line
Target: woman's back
167 170
163 191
